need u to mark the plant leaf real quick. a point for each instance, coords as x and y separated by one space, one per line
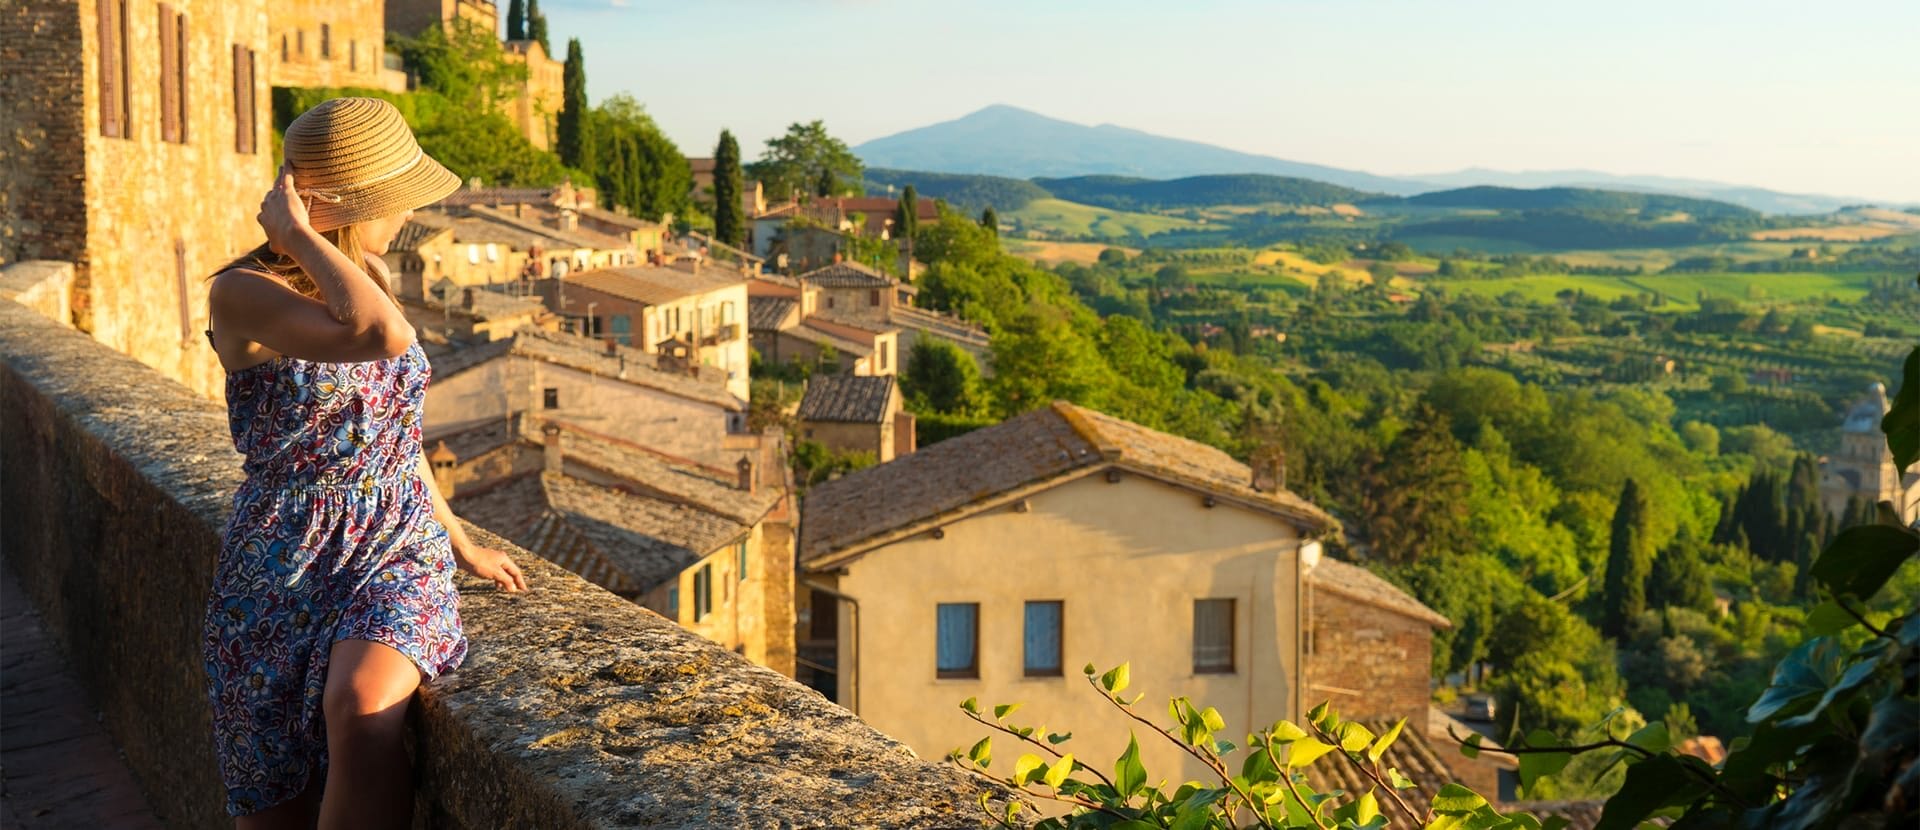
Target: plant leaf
1354 737
1652 784
1471 746
1902 421
1059 771
1115 681
1304 751
1653 737
1795 680
1862 558
1024 767
1004 710
982 752
1286 732
1453 798
1385 742
1128 775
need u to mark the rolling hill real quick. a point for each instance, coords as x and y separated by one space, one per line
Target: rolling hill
1577 198
1125 193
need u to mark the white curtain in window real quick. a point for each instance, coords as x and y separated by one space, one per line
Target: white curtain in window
955 636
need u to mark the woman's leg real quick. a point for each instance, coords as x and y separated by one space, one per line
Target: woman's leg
296 813
369 779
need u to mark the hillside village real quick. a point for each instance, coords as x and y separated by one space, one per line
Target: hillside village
723 433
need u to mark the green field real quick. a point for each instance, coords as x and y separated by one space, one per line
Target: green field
1058 217
1681 289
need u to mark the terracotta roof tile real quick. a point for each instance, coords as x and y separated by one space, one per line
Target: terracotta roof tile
848 399
1043 444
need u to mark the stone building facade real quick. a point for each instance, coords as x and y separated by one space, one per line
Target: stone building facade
137 144
327 43
536 105
1368 646
1863 466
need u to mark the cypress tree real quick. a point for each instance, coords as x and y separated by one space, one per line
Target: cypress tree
990 220
537 27
573 143
517 20
728 225
906 214
826 183
1628 563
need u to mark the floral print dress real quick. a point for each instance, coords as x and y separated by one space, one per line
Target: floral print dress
332 538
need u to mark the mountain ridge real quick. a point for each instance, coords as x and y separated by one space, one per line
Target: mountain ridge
1012 142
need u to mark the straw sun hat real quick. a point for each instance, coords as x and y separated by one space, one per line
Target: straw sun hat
356 160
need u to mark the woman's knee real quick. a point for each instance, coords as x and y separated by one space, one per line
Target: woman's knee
369 686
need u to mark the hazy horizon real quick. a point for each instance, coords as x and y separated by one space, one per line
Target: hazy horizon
1759 94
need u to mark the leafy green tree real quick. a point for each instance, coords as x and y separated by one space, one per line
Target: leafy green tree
807 160
1172 279
462 62
906 214
941 377
1039 357
573 142
517 20
990 220
639 167
728 225
537 27
1416 495
1629 562
1680 576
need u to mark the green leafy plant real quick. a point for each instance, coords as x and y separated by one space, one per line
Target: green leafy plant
1265 781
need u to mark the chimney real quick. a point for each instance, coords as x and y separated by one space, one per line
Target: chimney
745 467
569 220
466 299
554 462
1269 465
443 461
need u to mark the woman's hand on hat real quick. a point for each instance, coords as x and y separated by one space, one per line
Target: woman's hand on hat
488 563
283 213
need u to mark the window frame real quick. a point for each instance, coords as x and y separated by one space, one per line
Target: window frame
972 670
112 68
1059 639
1232 631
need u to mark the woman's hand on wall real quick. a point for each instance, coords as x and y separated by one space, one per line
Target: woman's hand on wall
488 563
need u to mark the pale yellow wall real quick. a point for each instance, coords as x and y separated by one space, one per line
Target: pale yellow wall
703 314
650 417
357 32
749 615
843 437
161 216
1128 559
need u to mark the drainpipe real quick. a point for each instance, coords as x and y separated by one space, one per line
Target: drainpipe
853 624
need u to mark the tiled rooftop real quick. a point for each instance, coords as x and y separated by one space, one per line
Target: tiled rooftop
587 355
847 275
852 399
1052 442
1358 583
768 313
652 285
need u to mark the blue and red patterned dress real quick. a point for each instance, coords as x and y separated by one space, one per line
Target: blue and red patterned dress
332 538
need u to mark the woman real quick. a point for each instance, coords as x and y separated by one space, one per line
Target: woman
333 600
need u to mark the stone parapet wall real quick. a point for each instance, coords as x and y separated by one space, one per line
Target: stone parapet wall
574 708
42 95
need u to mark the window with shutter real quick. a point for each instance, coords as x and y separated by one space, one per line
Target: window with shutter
179 77
113 69
243 100
169 62
326 40
180 286
957 639
1043 624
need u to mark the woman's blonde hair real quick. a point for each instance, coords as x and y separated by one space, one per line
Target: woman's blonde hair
346 237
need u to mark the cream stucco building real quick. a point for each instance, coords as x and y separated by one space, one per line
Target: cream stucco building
996 564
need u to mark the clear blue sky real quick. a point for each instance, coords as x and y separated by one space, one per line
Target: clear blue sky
1795 96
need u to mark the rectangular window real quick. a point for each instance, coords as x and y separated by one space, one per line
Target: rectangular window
673 603
1043 638
353 56
740 552
244 130
957 640
173 75
113 69
300 42
884 351
326 40
550 398
873 296
702 592
1212 636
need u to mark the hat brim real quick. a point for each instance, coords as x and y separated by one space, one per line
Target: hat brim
422 184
